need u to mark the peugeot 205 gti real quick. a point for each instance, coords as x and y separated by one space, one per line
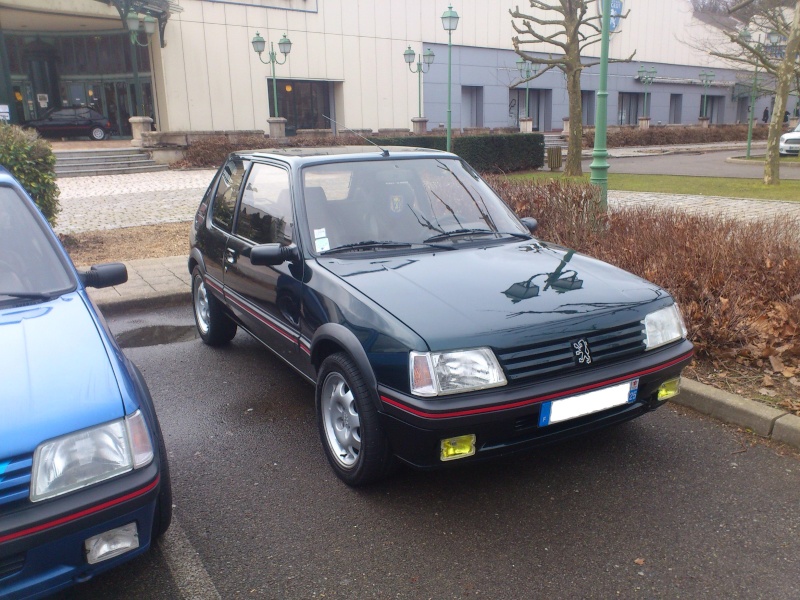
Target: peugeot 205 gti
434 326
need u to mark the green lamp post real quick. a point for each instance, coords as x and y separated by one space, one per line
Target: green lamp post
647 76
285 46
526 70
135 24
423 66
706 77
599 166
449 22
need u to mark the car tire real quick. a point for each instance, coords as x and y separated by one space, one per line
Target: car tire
163 515
347 419
97 134
213 324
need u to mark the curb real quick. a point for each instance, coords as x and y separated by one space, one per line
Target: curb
763 420
148 302
738 160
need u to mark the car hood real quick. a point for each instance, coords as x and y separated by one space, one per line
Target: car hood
55 372
501 295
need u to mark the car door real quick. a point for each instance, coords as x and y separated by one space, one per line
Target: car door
63 122
266 299
214 239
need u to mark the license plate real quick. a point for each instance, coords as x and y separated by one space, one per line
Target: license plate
573 407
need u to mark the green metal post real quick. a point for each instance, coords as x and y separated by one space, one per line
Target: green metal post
419 88
599 166
137 83
272 60
449 85
752 110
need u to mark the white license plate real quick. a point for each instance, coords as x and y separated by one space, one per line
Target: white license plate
557 411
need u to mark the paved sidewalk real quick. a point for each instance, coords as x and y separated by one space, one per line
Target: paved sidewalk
118 201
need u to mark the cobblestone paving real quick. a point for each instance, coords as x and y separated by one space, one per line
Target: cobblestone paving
117 201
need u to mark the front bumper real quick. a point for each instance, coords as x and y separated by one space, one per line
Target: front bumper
42 545
507 421
789 147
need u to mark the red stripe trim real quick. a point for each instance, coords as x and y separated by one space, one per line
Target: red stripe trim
530 401
305 348
214 284
261 318
80 514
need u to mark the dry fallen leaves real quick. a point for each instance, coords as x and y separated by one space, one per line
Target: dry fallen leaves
639 561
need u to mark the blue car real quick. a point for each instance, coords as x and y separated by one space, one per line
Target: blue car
84 480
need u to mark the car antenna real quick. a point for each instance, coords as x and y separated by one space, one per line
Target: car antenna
384 152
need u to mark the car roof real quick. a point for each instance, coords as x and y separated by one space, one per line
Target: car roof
300 156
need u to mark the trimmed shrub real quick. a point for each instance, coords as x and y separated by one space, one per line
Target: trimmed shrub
664 136
737 282
486 153
30 159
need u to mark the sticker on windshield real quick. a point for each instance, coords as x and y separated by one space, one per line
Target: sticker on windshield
320 233
322 244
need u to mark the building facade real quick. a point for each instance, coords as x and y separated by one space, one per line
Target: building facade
198 70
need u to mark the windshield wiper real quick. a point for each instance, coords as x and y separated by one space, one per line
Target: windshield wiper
460 232
27 295
366 245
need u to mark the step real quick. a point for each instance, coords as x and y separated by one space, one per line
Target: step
99 152
89 171
105 160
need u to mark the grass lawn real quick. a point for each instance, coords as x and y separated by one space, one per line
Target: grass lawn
788 190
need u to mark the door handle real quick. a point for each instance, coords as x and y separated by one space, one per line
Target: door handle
230 256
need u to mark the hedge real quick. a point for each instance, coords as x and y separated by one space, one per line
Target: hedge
486 153
31 160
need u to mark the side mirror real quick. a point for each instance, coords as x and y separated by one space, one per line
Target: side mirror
101 276
531 223
273 254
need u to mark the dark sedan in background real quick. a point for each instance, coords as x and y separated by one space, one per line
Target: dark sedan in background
435 327
73 122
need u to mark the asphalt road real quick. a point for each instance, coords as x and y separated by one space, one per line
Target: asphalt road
671 505
696 164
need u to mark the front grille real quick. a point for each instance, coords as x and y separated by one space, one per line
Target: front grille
15 479
557 355
11 564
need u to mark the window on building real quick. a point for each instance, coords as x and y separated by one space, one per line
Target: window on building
675 106
629 108
302 103
714 108
588 109
471 106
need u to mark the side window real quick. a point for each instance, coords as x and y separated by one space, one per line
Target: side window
265 213
230 180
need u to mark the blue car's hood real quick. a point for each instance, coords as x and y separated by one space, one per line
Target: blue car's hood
55 372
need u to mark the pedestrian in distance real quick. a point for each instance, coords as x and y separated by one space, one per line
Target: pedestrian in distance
765 118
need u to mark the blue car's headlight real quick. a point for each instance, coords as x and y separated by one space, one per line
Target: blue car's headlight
80 459
664 326
438 373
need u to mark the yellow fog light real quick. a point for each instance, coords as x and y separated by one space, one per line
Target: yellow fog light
458 447
669 389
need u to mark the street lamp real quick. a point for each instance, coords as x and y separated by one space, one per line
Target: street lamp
646 76
746 37
135 23
423 66
526 70
449 22
706 77
599 166
285 46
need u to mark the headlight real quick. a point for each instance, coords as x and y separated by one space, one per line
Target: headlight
664 326
87 457
439 373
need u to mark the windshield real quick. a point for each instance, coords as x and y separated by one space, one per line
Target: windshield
383 204
29 264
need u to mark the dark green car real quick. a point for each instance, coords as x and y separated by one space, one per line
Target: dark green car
435 327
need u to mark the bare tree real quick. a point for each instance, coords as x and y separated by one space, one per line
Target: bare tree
566 28
780 61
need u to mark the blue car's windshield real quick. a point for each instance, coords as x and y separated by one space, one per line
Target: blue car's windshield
30 265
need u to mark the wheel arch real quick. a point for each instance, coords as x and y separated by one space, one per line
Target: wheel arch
331 338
